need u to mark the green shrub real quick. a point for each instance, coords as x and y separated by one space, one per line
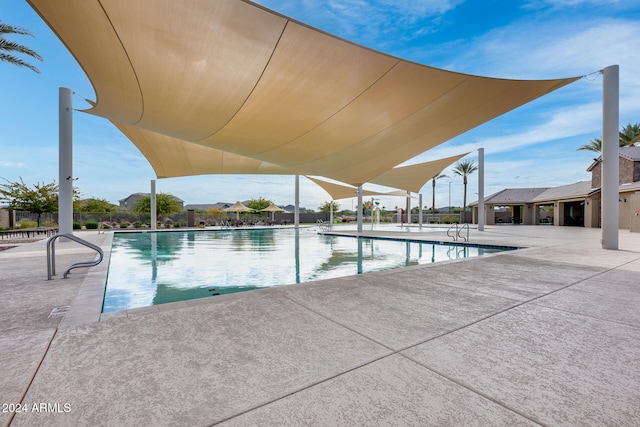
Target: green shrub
91 225
137 224
455 219
25 223
124 225
77 225
446 220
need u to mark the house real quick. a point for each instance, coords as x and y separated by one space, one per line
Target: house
575 204
130 201
207 206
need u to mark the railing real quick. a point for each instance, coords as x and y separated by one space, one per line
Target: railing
458 230
323 225
51 255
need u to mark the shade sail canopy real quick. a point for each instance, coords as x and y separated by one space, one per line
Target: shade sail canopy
343 191
414 177
232 76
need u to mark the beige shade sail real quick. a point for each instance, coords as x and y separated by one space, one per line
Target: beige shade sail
233 76
171 157
343 191
414 177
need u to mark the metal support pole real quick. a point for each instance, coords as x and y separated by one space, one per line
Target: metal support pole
408 210
481 219
154 215
331 212
420 209
296 211
610 156
359 216
65 162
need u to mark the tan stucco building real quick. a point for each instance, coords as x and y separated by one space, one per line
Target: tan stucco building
577 204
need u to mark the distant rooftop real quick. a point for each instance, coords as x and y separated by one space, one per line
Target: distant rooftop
578 189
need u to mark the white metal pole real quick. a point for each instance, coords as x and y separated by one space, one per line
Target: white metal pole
359 216
331 213
610 156
296 211
154 214
420 209
408 210
65 161
481 219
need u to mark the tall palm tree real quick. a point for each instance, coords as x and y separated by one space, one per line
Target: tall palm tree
8 49
595 145
465 168
630 135
433 184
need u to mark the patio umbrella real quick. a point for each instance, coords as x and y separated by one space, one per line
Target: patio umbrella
237 207
272 208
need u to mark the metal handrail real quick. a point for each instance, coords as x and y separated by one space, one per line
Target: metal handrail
323 225
458 230
454 237
51 255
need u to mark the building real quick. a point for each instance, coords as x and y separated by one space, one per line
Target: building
575 204
130 201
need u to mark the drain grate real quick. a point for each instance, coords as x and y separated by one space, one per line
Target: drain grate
58 311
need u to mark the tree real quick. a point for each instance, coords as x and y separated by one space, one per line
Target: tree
166 204
258 204
95 205
629 136
38 200
8 49
326 207
433 185
464 168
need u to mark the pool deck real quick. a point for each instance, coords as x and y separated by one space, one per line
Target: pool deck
548 335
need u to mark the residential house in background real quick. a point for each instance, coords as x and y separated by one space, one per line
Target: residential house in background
130 201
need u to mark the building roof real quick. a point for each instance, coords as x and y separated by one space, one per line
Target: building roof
630 153
145 195
273 95
206 206
513 196
575 190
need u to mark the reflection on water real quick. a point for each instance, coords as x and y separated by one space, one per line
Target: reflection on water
154 268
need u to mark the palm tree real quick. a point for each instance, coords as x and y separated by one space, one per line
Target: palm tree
9 48
433 184
465 168
595 145
629 136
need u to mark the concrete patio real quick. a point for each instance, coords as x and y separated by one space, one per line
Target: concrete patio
548 335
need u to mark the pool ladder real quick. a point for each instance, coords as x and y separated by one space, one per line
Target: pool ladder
51 255
457 233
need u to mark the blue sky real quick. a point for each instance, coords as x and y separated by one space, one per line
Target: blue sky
533 146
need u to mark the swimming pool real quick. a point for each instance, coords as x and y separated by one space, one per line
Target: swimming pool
151 268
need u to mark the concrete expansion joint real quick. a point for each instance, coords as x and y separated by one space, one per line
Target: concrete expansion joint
32 377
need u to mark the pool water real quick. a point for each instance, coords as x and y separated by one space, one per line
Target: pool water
151 268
